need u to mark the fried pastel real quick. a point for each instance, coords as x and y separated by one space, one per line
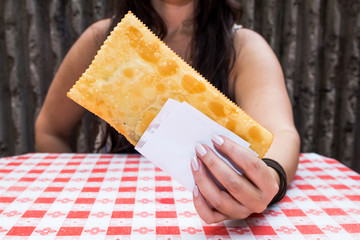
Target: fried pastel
133 75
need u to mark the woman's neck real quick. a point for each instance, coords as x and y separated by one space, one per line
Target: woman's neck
177 14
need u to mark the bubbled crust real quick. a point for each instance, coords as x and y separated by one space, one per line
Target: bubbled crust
133 75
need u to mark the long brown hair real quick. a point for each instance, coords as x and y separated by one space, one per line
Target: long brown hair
213 51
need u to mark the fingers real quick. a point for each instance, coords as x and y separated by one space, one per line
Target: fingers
221 201
242 191
254 168
245 194
206 213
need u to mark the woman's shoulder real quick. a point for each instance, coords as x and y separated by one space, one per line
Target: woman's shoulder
245 39
86 46
253 55
82 52
251 46
98 31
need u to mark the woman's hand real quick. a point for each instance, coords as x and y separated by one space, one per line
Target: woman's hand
250 193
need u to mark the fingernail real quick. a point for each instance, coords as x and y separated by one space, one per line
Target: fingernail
195 163
200 149
217 139
196 191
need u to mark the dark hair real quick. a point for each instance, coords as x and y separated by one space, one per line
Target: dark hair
213 51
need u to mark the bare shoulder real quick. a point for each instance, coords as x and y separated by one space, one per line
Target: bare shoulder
98 31
101 25
250 42
85 48
244 34
253 53
257 68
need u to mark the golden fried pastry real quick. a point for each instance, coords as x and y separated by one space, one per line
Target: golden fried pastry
134 74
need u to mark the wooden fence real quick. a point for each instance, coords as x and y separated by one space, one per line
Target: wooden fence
316 41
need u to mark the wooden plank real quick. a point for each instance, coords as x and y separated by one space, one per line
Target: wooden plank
330 60
288 46
21 90
307 72
7 127
348 81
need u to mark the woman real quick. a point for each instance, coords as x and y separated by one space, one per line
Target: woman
239 62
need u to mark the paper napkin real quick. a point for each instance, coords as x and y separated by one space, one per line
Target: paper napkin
169 141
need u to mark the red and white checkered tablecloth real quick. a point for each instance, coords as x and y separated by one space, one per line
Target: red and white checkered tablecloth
96 196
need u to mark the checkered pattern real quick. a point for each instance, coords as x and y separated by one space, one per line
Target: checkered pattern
94 196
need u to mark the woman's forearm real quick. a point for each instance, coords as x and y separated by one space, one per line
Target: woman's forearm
285 150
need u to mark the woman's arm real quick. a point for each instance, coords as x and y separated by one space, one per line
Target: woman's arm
59 114
260 90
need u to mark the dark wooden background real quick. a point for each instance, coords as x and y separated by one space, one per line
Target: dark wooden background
316 41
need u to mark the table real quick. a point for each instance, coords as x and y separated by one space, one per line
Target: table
102 196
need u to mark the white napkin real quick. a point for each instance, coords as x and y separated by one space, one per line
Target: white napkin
169 141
